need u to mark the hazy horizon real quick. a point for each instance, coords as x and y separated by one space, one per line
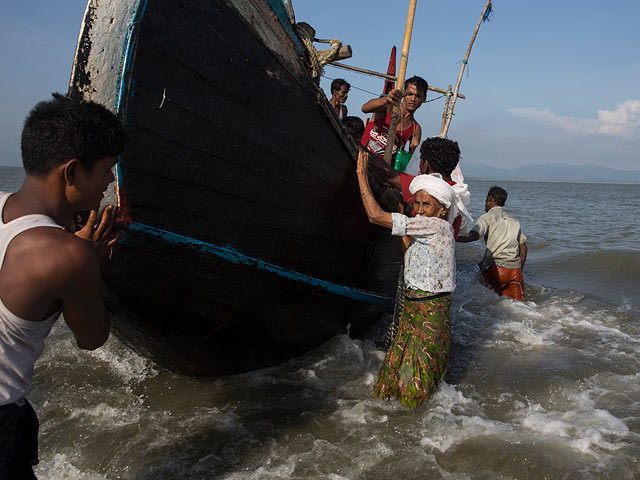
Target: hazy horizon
539 86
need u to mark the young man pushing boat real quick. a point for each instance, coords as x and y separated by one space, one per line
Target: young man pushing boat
408 130
68 151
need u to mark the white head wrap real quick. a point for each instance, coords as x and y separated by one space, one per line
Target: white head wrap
453 197
462 197
434 186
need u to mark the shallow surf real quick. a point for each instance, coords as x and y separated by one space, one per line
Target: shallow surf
546 388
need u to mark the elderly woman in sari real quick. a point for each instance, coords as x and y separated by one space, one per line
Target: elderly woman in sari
417 359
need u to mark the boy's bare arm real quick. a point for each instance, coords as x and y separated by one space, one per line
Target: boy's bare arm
51 269
82 305
415 139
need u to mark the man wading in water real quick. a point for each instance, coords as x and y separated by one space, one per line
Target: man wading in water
68 151
506 249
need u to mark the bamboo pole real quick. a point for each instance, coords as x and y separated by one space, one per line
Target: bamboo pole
445 127
386 76
404 56
446 107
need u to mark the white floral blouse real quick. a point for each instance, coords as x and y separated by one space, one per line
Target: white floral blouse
430 260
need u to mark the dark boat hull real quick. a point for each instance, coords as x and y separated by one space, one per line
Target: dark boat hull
248 244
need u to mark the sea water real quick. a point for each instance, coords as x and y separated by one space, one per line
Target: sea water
546 388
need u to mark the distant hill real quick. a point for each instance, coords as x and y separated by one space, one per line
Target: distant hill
552 172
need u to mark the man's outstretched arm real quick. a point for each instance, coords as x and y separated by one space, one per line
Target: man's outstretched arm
472 236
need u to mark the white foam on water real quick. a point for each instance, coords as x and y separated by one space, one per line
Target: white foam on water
107 416
453 418
625 306
271 469
124 362
360 413
61 468
584 426
295 420
323 460
522 333
224 421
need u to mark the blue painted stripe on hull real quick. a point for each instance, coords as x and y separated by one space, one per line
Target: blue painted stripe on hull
234 256
279 9
225 252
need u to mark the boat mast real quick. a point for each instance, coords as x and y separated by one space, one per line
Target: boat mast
449 106
404 56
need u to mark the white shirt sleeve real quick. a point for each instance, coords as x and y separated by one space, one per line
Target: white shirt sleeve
482 225
417 226
399 224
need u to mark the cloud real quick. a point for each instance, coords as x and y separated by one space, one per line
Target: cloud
624 121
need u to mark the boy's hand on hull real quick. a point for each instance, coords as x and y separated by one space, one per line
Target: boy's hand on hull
103 236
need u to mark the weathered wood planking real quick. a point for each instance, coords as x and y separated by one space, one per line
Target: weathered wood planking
249 244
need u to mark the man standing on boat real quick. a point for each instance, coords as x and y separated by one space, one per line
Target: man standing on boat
408 130
68 151
506 249
339 94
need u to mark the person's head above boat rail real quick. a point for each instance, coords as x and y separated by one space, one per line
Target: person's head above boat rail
416 87
339 94
62 129
412 96
340 86
407 129
439 155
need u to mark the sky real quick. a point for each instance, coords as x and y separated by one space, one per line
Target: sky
547 81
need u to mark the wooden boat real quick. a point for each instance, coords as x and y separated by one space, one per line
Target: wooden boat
247 243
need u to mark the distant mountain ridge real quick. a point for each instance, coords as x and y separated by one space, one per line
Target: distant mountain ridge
552 172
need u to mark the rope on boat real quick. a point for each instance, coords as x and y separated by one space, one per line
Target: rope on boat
466 65
488 15
317 59
392 331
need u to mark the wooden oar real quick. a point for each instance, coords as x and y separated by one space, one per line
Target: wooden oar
404 56
449 112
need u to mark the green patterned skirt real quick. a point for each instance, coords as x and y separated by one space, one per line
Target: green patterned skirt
417 359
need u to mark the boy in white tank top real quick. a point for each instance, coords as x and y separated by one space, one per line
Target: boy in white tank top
68 151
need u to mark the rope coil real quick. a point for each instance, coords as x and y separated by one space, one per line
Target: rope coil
317 59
